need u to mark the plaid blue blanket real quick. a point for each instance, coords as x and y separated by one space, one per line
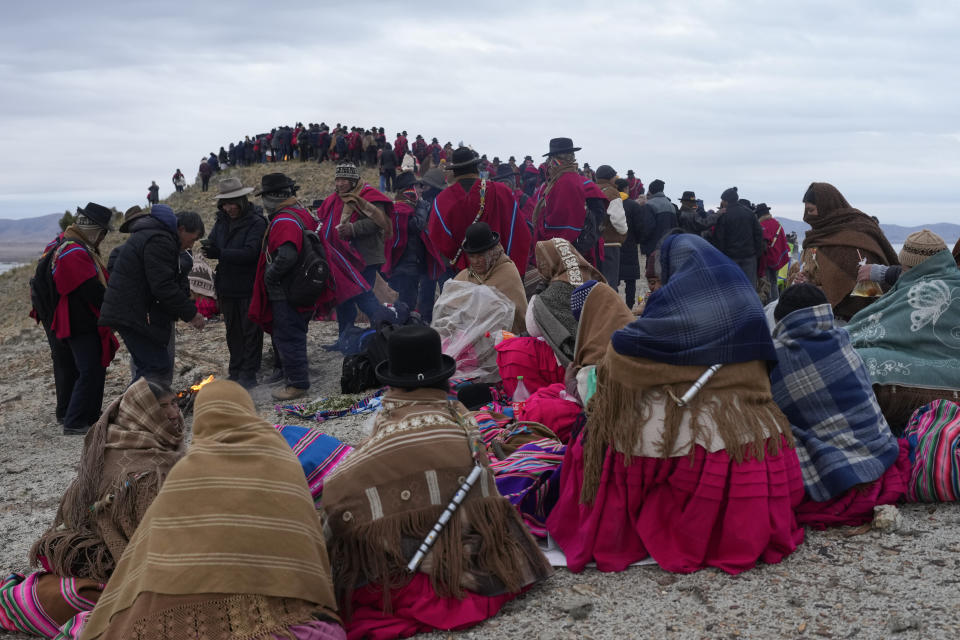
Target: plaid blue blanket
822 385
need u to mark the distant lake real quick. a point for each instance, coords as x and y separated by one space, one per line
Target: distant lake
6 266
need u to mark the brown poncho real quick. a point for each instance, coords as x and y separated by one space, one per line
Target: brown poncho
504 277
634 412
384 498
557 259
603 313
830 248
232 544
126 457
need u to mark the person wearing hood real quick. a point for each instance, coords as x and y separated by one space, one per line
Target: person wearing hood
235 243
143 298
738 234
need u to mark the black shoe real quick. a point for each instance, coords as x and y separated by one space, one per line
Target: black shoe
275 377
247 383
75 431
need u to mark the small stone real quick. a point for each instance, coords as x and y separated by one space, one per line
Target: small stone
577 608
899 623
886 517
666 580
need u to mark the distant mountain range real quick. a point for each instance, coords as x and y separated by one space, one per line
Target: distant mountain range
895 233
25 230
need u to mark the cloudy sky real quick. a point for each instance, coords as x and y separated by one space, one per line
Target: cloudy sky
100 98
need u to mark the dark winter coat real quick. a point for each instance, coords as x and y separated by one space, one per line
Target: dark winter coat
664 215
641 225
144 291
239 242
738 234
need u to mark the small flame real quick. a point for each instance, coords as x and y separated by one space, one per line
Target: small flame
202 384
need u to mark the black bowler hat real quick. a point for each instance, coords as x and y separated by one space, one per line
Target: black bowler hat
504 172
273 182
415 359
479 238
688 196
561 145
98 214
462 157
405 180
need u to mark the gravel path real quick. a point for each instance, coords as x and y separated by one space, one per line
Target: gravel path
902 584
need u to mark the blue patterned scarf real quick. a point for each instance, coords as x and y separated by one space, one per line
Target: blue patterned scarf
706 313
822 386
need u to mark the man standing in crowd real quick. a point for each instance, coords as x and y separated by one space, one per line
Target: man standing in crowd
179 181
205 173
400 146
525 203
81 350
634 185
471 199
738 234
630 249
235 243
269 307
355 221
143 297
691 218
614 226
388 167
566 199
153 193
776 251
659 212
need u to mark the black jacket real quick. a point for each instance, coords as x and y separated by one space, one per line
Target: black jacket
239 242
663 215
638 233
738 234
144 291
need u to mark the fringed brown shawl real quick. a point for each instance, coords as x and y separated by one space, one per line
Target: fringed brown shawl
634 412
384 498
557 259
234 518
126 457
603 313
839 232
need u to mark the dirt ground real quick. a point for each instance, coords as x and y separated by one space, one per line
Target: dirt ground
836 585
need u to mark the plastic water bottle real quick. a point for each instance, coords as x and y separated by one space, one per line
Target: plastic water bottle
520 397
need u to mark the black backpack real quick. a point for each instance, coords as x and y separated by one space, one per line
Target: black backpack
592 230
308 278
43 291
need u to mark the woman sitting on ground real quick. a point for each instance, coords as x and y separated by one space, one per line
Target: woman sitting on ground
840 239
232 545
126 457
691 479
910 337
382 501
850 460
489 265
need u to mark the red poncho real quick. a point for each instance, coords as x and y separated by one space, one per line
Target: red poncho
402 211
455 209
777 251
564 208
72 266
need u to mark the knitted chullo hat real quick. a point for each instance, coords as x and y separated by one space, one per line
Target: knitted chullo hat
347 170
798 296
919 246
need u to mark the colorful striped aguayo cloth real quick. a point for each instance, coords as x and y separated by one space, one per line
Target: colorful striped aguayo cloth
317 452
934 430
40 603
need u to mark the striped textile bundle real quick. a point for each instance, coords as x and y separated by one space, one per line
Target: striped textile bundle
22 603
934 430
529 478
317 452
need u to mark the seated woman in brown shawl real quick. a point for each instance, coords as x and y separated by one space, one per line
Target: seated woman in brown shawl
549 315
231 547
384 499
126 457
491 266
840 239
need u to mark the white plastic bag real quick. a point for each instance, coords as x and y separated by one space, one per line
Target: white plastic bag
468 316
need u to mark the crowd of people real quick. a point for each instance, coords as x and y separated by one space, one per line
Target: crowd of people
705 424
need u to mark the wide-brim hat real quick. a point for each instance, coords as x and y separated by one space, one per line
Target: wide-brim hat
688 196
415 359
273 182
505 172
463 157
434 178
130 215
231 188
479 238
561 145
98 214
405 180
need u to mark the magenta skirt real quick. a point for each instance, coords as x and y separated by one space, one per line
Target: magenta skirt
687 513
855 506
416 608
